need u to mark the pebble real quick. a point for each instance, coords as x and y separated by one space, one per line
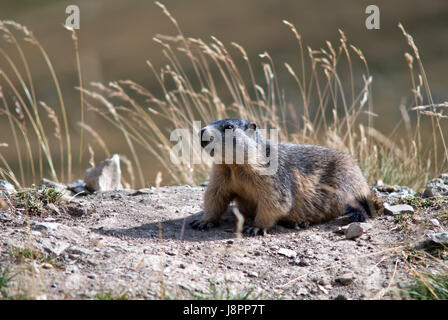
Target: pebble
44 226
345 279
252 274
6 188
172 252
438 186
47 266
287 253
439 238
322 280
435 222
300 262
353 231
302 292
428 193
397 209
308 252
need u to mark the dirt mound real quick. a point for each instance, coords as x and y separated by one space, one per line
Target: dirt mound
138 245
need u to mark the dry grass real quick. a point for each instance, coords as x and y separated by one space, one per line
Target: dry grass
205 81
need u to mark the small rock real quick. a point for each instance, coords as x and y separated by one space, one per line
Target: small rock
379 183
252 274
322 280
302 292
106 176
301 262
3 205
47 266
345 279
398 209
6 188
387 188
44 226
439 186
433 240
172 252
440 238
308 252
341 230
287 253
428 193
435 222
353 231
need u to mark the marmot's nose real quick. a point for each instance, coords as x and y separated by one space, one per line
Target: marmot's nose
205 140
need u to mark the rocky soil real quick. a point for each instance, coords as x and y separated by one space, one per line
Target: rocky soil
137 244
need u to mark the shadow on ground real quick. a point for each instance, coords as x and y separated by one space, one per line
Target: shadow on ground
180 229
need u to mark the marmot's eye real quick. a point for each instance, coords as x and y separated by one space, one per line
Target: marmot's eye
228 126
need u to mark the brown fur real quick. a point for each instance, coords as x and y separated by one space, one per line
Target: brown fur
313 184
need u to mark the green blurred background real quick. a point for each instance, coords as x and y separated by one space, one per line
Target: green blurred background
115 40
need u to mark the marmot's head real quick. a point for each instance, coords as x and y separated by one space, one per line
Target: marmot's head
232 136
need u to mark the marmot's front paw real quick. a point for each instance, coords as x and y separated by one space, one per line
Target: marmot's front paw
202 225
253 231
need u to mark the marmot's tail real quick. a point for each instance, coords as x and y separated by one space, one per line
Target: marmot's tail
367 207
372 205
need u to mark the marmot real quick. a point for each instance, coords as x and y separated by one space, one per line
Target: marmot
311 183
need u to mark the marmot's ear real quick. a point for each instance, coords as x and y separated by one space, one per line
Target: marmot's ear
252 126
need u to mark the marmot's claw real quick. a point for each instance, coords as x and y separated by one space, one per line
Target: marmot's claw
253 231
200 225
